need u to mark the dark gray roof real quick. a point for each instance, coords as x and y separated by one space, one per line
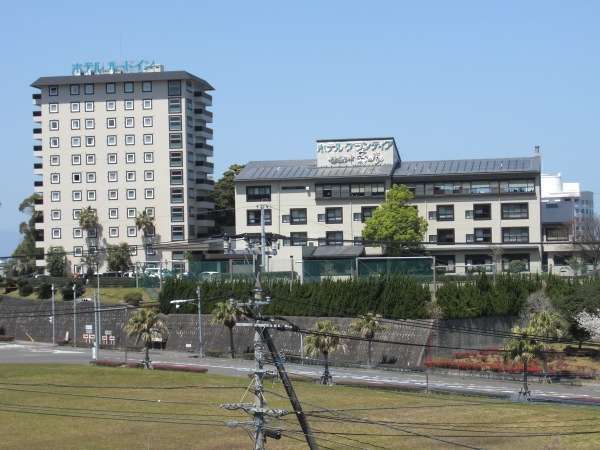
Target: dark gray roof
305 169
332 251
121 77
468 166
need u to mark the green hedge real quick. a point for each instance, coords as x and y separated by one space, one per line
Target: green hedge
482 296
394 297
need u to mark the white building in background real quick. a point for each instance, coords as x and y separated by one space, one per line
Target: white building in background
320 205
123 143
564 206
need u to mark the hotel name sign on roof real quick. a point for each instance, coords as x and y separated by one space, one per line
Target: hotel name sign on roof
356 153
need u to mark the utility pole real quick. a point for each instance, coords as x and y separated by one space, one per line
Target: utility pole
53 317
200 343
74 315
263 240
97 324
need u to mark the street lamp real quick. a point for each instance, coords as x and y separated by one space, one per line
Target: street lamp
198 299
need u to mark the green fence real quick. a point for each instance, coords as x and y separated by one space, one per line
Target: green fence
417 267
316 270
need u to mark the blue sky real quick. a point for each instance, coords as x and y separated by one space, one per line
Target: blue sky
446 79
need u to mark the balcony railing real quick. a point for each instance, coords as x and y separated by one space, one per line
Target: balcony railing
37 114
36 96
204 146
37 131
203 181
204 164
38 201
38 183
204 198
474 191
37 148
37 165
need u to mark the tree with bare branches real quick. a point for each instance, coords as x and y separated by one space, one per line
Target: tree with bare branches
586 239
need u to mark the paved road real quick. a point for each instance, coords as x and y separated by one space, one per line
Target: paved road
24 352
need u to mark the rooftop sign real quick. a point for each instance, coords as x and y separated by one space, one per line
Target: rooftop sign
95 68
356 153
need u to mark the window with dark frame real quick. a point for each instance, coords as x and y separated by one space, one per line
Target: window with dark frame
515 235
333 215
298 216
482 211
514 211
258 193
445 213
253 217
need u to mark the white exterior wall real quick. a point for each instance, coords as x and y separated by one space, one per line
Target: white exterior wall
160 167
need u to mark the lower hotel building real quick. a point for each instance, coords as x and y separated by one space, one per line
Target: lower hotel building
481 213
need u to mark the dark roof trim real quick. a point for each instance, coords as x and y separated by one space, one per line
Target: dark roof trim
121 77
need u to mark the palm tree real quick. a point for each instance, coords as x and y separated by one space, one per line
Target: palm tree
325 341
145 223
144 325
546 325
522 349
366 326
227 314
88 220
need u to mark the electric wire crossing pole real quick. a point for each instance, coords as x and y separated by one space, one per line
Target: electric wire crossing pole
259 409
198 299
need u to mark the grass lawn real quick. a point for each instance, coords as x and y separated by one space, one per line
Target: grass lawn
50 407
107 295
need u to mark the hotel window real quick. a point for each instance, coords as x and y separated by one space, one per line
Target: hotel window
177 214
111 88
377 189
147 121
176 159
481 187
55 233
88 89
148 157
76 141
445 236
131 194
334 238
54 178
258 193
111 158
128 87
174 123
75 107
515 235
131 231
113 232
480 235
53 125
90 124
149 211
445 213
53 108
148 175
111 105
298 216
74 89
55 196
147 104
174 105
146 86
54 142
52 91
93 233
176 195
446 188
55 214
76 196
253 217
76 214
482 211
298 239
514 211
113 194
76 160
113 213
111 140
357 190
128 105
518 186
77 251
89 106
148 139
111 122
76 177
113 176
90 177
366 212
77 233
175 140
129 139
174 88
55 160
176 177
333 215
75 124
131 213
91 196
90 141
130 176
130 158
129 122
90 160
177 233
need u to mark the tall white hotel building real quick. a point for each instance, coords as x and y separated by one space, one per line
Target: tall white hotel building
123 143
